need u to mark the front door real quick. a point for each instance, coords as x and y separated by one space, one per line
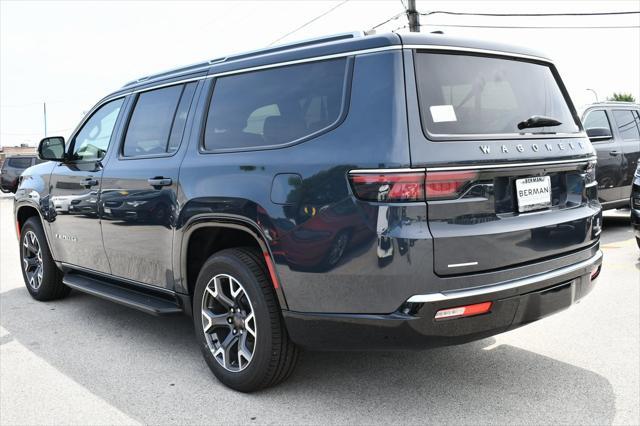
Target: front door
74 185
138 194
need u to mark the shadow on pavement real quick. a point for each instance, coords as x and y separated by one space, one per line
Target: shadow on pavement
151 369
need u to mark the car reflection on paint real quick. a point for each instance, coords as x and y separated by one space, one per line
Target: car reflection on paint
319 237
84 205
139 206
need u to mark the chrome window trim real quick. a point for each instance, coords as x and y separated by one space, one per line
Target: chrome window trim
508 285
474 167
476 50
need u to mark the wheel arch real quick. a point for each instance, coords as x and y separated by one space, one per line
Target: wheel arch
204 236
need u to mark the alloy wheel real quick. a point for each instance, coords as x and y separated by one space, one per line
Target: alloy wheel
228 322
32 260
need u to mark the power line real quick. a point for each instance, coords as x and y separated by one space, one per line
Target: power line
309 22
529 14
393 18
518 27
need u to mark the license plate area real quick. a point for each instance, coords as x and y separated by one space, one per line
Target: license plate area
533 193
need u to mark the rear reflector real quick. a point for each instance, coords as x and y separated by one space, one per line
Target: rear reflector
464 311
595 272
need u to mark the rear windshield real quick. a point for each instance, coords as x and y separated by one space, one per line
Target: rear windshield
478 95
19 162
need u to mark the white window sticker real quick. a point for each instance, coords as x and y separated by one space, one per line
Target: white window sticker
441 113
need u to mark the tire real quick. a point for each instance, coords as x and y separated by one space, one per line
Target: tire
638 241
41 276
257 320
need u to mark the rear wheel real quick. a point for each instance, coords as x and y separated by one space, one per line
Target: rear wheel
41 276
638 241
238 322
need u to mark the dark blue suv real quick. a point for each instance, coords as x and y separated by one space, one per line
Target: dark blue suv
351 192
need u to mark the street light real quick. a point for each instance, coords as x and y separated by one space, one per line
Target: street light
594 93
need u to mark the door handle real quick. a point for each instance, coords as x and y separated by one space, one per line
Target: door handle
613 153
88 182
159 181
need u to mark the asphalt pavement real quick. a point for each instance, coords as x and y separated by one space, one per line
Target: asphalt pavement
83 360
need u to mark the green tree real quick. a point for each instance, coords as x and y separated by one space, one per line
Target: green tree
624 97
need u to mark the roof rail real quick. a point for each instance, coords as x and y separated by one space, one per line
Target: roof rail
264 51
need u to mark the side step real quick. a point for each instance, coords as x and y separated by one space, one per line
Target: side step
123 295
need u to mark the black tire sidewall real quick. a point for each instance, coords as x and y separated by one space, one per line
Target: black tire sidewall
252 376
50 276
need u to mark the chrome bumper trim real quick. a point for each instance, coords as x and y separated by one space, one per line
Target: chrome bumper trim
508 285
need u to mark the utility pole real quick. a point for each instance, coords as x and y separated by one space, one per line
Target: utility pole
45 118
414 16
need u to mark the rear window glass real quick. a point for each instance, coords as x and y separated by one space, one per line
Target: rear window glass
19 163
275 106
157 123
478 95
627 124
597 120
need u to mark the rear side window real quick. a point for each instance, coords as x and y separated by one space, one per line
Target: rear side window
467 95
627 124
275 106
19 163
158 120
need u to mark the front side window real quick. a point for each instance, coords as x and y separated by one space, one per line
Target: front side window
275 106
597 119
92 141
158 120
463 94
627 124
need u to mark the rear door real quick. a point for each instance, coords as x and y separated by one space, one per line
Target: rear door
609 172
504 187
138 200
628 131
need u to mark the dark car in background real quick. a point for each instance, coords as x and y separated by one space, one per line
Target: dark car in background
614 131
635 205
353 192
12 168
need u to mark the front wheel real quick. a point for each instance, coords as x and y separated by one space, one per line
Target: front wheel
238 322
41 275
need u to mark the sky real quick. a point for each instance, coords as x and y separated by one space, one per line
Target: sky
70 54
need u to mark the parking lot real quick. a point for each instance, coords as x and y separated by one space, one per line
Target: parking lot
85 360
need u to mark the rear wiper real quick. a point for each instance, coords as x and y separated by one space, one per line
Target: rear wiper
538 121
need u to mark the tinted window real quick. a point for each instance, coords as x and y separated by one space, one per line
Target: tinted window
151 121
275 106
596 120
19 162
469 95
627 124
92 141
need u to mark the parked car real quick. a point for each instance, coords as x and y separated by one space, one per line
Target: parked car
614 130
458 170
12 168
635 205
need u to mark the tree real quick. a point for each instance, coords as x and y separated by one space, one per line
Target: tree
623 97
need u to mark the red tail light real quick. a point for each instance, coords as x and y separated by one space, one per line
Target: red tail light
441 185
410 186
388 187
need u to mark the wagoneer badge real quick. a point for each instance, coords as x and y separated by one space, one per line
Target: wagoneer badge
560 146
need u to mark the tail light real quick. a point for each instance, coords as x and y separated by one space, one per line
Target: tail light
410 186
443 185
388 187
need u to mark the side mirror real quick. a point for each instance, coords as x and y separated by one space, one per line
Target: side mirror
51 149
599 134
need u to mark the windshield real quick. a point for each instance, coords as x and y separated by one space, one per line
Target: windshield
478 95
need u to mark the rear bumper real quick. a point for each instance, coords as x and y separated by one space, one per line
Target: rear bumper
412 326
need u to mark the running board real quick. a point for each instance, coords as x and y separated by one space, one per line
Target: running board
122 295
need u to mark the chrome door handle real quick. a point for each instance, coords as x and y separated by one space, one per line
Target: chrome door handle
159 181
